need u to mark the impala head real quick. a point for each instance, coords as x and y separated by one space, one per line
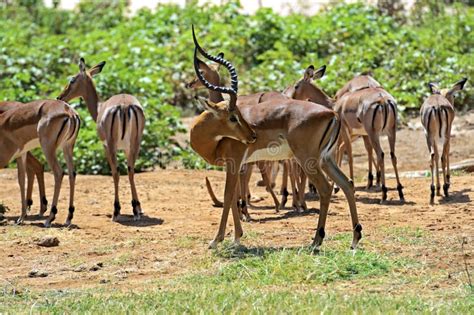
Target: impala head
448 93
82 85
210 73
225 115
305 90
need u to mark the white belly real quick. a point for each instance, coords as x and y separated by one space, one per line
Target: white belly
30 145
275 151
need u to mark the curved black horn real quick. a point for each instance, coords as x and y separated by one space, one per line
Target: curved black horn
206 83
220 60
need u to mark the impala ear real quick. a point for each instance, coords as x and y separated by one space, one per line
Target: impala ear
97 68
308 73
82 65
458 86
434 88
319 73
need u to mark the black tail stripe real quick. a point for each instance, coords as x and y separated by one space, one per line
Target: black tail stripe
447 120
438 112
385 114
325 132
62 128
122 115
337 135
429 120
392 105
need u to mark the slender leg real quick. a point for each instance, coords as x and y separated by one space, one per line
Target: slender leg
368 148
232 169
293 180
68 156
268 185
301 188
335 173
436 158
111 154
238 231
30 176
432 165
242 199
49 152
136 206
21 164
284 184
391 140
375 142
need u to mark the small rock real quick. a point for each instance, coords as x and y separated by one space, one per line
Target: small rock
35 273
97 266
48 241
80 268
104 281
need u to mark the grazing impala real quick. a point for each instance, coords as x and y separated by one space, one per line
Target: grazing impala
368 110
50 124
437 115
302 130
120 123
33 168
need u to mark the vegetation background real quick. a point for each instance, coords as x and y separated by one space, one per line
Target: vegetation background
149 55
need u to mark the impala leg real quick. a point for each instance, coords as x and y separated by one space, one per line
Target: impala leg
21 165
284 184
111 154
436 158
68 156
347 186
293 180
301 189
238 231
58 173
375 142
266 180
325 191
30 177
242 194
39 172
391 140
136 206
368 148
447 177
232 169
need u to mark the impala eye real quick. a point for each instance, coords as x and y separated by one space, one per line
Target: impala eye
72 80
233 119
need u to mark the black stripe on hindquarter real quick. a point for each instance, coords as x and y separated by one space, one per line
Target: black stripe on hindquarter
113 119
124 126
447 119
337 135
73 122
373 116
62 128
325 133
135 114
429 120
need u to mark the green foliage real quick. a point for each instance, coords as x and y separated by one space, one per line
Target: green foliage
149 55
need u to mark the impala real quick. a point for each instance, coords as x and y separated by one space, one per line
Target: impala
437 115
50 124
120 123
371 111
302 130
33 168
211 73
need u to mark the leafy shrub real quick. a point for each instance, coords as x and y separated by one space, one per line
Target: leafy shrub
149 55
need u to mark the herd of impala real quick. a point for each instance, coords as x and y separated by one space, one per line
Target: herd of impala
302 128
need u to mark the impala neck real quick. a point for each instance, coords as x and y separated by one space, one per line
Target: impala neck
203 140
92 101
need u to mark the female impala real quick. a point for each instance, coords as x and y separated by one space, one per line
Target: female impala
50 124
120 123
33 169
302 130
437 115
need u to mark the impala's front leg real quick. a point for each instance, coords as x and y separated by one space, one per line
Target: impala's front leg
232 173
21 164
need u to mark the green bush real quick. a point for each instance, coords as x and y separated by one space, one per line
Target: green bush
149 55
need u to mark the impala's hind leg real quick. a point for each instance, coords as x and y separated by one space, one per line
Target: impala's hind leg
21 165
111 153
38 171
68 156
50 154
391 140
136 206
335 173
284 184
266 179
368 148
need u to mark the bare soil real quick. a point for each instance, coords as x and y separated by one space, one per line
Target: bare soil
180 220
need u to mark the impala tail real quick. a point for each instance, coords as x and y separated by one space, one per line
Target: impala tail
216 201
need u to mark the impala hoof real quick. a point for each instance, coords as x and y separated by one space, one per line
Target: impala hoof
136 217
213 244
20 221
67 223
47 224
115 218
246 218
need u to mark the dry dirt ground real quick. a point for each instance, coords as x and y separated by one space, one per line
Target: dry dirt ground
172 239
